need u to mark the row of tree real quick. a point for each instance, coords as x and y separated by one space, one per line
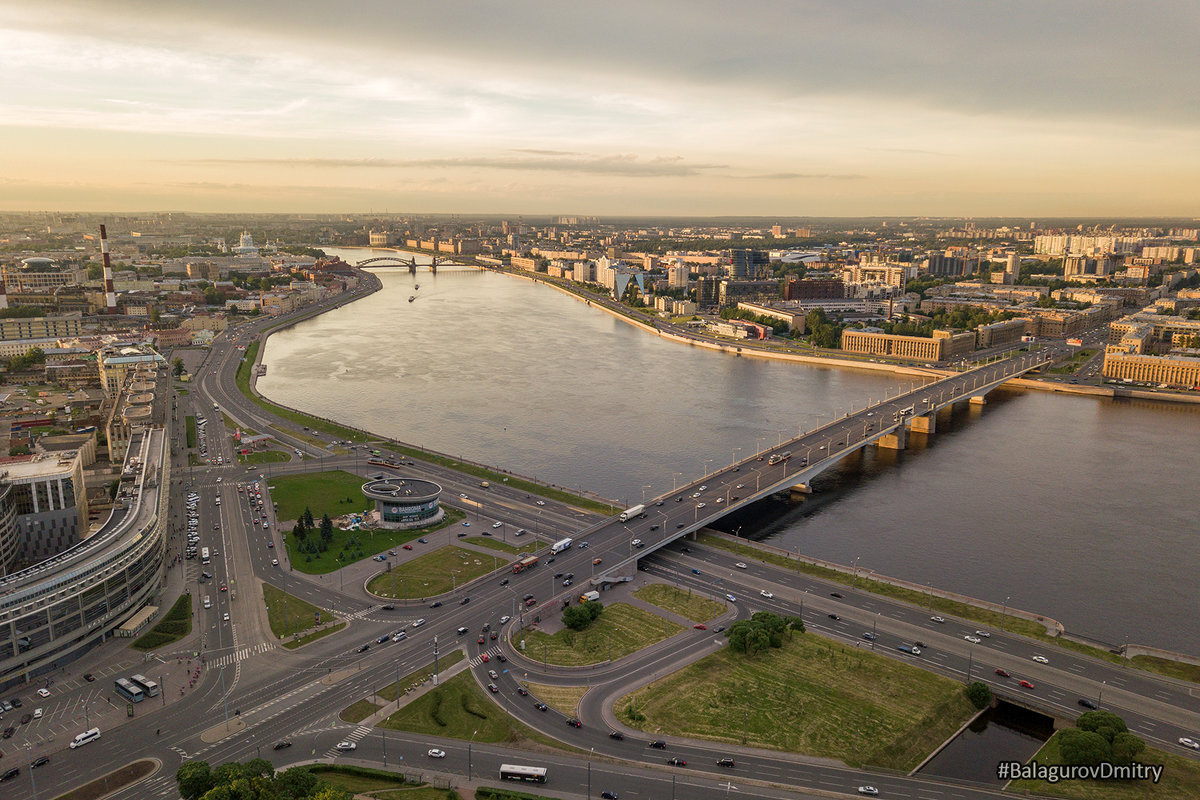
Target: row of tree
253 780
581 615
762 631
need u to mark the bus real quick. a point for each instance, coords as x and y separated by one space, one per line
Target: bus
379 462
779 458
129 691
525 563
203 555
149 687
512 772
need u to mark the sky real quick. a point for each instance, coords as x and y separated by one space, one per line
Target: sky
667 107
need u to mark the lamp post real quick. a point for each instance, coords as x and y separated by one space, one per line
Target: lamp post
644 488
733 457
469 743
970 662
1099 696
675 481
707 461
1004 611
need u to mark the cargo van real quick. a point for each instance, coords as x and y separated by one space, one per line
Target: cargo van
85 737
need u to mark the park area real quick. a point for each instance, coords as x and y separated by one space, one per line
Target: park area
620 629
434 573
289 616
813 696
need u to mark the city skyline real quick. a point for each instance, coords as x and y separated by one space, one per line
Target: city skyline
815 108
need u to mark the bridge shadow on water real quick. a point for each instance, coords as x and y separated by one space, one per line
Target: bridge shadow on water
776 513
1004 733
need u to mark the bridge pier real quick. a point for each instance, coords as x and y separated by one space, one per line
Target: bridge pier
926 423
979 400
896 440
802 488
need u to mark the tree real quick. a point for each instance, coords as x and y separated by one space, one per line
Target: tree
177 366
300 532
979 694
296 783
1083 747
332 793
307 517
155 315
1126 747
1105 723
19 450
326 528
194 779
580 616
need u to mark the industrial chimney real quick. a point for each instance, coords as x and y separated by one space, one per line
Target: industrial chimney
110 296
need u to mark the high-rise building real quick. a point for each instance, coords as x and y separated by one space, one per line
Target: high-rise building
677 277
748 264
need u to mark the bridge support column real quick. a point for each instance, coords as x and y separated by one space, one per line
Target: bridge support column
896 440
979 400
926 423
801 488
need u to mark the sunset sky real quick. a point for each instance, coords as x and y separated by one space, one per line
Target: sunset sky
689 107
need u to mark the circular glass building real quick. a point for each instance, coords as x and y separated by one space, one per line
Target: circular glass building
404 502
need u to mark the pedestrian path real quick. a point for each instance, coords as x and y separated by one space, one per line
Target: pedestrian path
239 655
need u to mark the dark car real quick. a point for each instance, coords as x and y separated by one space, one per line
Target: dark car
725 762
436 604
574 723
686 549
527 597
541 706
609 796
27 718
16 702
364 648
676 762
1083 701
919 643
834 616
281 745
620 737
501 658
836 594
383 638
521 690
1003 673
657 745
464 601
12 773
389 607
504 582
8 732
550 560
39 761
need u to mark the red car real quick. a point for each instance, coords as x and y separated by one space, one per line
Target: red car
1003 673
224 588
1026 685
700 627
485 658
408 547
482 640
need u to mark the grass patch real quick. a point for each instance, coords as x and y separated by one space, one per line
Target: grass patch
813 696
563 699
171 628
182 392
418 793
684 603
264 457
350 546
334 493
289 614
486 793
312 637
356 779
1180 779
432 574
1023 627
355 435
357 711
620 630
487 541
190 421
392 690
112 782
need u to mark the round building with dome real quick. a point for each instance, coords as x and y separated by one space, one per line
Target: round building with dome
404 502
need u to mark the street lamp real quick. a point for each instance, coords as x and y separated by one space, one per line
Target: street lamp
733 457
1005 611
644 488
707 461
469 743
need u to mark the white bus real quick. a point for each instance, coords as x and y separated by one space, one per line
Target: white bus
559 546
204 555
513 772
145 684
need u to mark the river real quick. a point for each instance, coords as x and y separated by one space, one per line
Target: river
1078 508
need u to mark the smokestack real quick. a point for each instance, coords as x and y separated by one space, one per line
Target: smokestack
110 296
3 291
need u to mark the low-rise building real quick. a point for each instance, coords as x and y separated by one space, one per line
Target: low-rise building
942 346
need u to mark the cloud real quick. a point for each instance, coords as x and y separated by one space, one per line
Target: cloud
622 165
805 176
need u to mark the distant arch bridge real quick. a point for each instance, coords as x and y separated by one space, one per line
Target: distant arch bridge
402 261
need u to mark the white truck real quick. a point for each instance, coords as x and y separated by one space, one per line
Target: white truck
560 545
586 596
630 513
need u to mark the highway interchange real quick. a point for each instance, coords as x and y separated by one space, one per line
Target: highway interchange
270 694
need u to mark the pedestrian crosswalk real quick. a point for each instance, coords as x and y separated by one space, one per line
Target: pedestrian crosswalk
238 655
354 737
492 652
360 614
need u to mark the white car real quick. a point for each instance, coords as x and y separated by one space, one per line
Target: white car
505 619
418 623
973 639
274 562
497 525
226 617
1041 659
541 502
636 543
1192 743
731 598
701 505
740 565
435 753
43 692
767 594
871 790
984 634
37 713
346 746
938 619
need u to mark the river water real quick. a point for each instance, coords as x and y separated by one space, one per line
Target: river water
1076 508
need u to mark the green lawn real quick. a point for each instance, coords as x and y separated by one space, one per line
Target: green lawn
176 624
487 793
190 421
679 601
264 457
984 616
289 614
334 493
812 696
350 546
563 699
621 629
312 637
357 711
445 661
434 573
457 709
357 779
1180 779
418 793
487 541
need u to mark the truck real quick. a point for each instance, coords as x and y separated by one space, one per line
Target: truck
779 458
525 563
586 596
560 545
630 513
1028 338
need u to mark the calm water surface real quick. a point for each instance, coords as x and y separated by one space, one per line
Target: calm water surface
1080 509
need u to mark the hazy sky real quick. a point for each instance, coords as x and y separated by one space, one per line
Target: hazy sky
794 107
